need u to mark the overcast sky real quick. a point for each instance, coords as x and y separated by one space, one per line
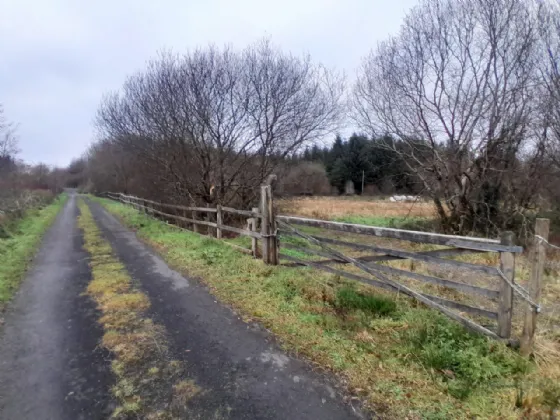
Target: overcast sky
58 57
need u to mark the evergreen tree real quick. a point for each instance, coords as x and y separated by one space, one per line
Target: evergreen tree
316 155
338 175
375 159
357 160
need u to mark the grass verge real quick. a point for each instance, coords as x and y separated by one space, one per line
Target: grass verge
19 243
149 385
402 360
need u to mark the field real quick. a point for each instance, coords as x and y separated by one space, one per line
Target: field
339 207
358 210
397 357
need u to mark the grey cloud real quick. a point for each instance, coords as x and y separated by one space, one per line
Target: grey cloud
57 58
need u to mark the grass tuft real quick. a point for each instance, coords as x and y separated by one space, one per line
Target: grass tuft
464 361
184 391
349 298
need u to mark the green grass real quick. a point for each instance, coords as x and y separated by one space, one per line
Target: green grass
466 359
19 243
347 298
401 359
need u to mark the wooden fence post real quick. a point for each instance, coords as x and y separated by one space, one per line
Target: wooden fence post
254 227
186 216
268 227
195 226
507 265
210 231
538 257
219 221
264 224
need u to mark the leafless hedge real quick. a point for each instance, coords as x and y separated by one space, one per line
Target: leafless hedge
211 125
22 186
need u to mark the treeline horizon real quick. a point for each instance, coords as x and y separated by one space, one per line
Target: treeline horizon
352 163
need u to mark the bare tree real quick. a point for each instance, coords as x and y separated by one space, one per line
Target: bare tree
458 86
549 31
212 124
8 144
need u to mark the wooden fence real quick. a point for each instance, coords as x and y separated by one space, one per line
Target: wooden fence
258 218
336 251
262 225
373 265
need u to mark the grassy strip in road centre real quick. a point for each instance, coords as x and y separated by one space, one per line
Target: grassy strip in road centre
20 242
400 358
149 384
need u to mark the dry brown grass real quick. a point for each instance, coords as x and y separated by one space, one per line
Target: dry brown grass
335 207
185 391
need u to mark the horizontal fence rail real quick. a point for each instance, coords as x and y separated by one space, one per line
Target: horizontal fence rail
383 285
194 221
197 209
466 288
254 216
410 255
465 242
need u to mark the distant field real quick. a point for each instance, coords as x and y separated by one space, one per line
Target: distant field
367 211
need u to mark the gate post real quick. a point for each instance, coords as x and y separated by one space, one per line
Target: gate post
537 257
219 221
254 226
210 231
195 225
268 226
507 265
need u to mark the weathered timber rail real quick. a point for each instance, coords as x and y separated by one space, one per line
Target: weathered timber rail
186 216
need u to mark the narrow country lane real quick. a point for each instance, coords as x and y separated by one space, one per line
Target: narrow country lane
51 366
245 375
